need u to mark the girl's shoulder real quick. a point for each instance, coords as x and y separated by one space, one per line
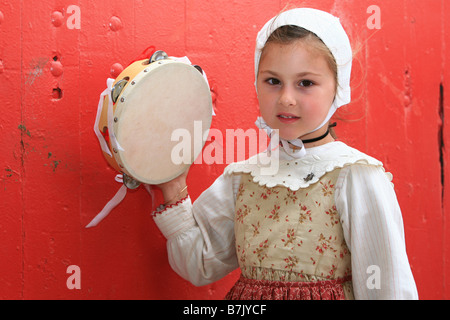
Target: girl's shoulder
294 174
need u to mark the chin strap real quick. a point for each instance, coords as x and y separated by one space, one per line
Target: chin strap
298 152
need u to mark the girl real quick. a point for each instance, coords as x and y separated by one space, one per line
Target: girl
327 224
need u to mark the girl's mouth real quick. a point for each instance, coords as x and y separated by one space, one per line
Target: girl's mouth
287 118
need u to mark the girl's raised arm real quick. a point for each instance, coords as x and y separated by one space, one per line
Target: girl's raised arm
200 236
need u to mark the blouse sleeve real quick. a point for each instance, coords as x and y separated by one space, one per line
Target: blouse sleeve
200 236
373 229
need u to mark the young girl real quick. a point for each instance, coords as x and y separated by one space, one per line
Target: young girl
327 224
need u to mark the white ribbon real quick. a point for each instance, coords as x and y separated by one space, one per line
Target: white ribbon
107 91
295 153
114 202
120 195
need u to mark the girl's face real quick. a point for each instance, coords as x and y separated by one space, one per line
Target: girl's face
296 89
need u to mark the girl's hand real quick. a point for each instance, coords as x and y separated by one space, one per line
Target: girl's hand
174 190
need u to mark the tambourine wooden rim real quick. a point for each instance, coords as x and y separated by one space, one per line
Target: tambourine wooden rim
158 98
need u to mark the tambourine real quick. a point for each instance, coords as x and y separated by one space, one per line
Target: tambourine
142 109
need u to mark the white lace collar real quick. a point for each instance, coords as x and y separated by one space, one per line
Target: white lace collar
301 173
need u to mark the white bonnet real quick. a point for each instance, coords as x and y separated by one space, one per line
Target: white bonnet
328 28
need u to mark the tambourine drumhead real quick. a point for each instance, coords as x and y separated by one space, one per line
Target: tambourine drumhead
165 96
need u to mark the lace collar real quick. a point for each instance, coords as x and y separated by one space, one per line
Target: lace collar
301 173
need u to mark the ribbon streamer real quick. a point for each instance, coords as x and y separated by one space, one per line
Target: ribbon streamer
101 140
114 202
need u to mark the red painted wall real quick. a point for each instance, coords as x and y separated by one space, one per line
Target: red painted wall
54 179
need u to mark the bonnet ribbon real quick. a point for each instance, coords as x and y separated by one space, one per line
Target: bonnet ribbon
296 153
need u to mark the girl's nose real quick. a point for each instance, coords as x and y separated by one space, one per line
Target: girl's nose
287 97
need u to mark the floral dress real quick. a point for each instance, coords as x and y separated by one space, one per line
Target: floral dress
290 244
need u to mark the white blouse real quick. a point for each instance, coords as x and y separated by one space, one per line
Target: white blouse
201 241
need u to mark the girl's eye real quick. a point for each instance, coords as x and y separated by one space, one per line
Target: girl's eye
306 83
273 81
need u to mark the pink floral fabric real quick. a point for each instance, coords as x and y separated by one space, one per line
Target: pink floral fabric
292 241
251 289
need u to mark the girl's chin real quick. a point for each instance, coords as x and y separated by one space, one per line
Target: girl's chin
288 135
284 137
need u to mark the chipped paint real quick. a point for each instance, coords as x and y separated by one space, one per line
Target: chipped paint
8 173
55 164
36 70
24 129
